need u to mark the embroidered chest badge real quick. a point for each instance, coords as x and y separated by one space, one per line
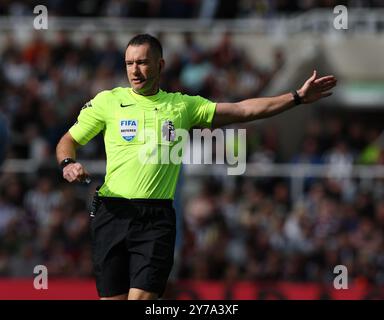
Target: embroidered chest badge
128 129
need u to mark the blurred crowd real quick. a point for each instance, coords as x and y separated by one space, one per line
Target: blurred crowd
249 229
258 229
205 9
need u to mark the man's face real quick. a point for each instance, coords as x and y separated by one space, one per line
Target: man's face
143 69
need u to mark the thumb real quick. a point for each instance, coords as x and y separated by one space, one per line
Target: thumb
313 77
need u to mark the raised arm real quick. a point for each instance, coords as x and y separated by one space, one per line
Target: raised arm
66 149
257 108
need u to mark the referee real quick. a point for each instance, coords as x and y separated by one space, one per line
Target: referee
133 230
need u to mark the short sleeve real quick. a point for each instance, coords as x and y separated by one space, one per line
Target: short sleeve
91 120
200 110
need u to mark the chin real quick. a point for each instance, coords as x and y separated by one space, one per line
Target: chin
140 90
138 87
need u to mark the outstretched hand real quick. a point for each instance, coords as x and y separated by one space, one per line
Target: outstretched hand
316 88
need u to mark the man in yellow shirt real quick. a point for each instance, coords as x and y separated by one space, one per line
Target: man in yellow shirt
133 231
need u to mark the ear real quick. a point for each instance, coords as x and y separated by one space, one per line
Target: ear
161 65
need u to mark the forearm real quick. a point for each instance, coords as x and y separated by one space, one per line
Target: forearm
252 109
259 108
66 148
72 171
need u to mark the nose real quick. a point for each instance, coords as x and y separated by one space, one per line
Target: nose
136 69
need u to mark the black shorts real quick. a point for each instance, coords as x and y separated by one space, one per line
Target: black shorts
132 245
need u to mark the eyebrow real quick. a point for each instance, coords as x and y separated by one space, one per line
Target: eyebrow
138 60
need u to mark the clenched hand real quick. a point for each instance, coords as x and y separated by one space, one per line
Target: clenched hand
75 172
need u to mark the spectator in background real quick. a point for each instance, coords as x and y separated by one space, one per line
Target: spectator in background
195 73
42 199
340 160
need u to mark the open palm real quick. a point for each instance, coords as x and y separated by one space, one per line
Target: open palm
316 88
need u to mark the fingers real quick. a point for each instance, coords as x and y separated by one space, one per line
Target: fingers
78 170
75 172
325 79
326 94
69 175
314 75
328 84
312 78
327 88
325 83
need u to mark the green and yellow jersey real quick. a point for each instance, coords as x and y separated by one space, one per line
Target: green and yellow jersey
134 127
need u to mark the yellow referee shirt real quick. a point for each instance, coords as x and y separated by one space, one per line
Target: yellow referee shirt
133 127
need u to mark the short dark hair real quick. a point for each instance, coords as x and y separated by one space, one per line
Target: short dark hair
144 38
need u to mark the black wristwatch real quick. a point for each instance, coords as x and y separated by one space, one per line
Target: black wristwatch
66 162
296 97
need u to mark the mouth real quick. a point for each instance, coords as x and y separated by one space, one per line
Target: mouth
137 80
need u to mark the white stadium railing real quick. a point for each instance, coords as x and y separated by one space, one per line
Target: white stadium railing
252 169
294 173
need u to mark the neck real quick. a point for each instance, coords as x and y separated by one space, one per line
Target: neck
151 92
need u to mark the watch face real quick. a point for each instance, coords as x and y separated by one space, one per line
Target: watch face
66 161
